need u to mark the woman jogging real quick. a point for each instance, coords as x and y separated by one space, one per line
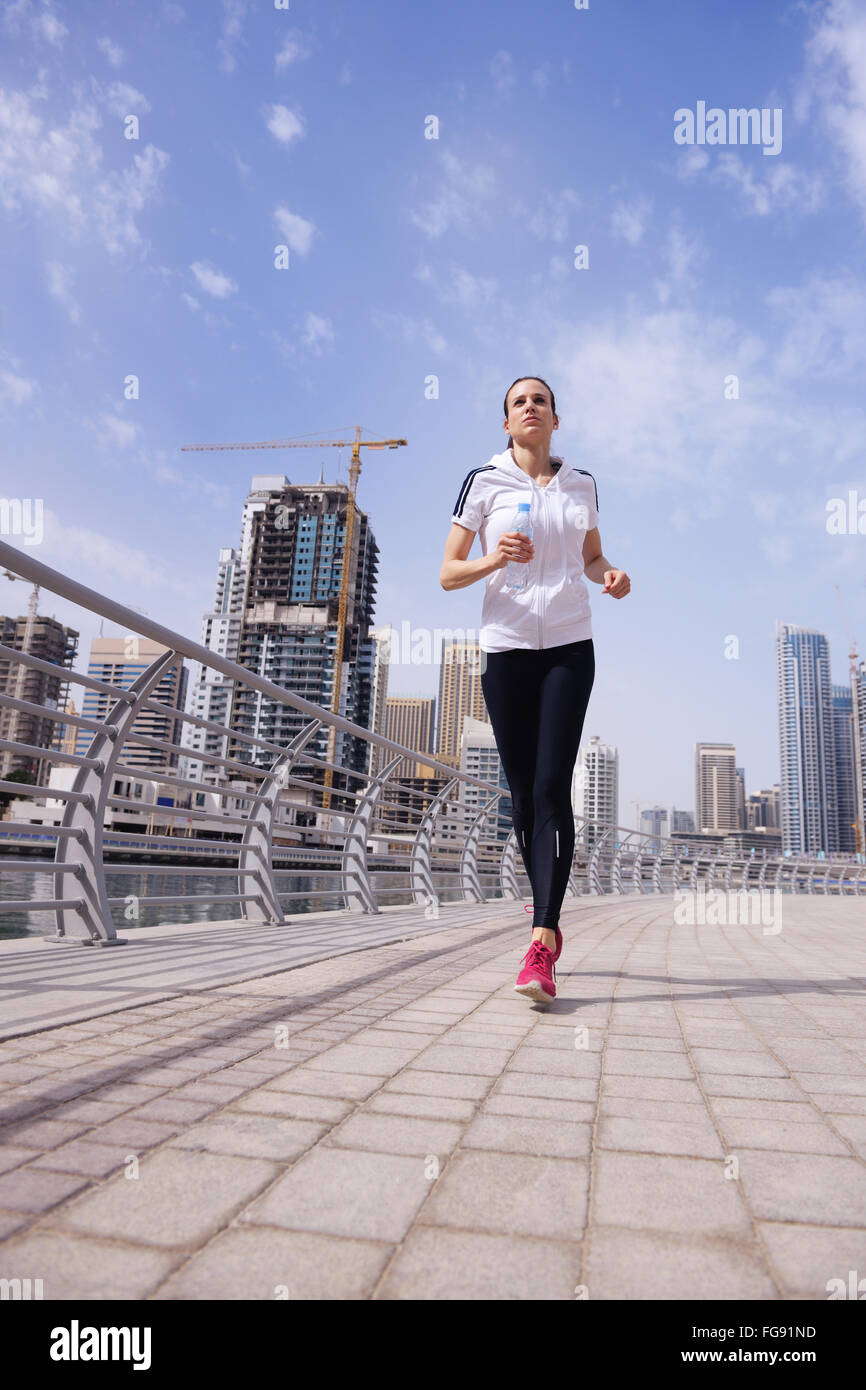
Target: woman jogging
537 655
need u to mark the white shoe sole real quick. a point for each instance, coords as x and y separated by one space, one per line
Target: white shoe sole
535 991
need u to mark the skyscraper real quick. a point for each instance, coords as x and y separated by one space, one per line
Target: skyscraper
858 717
48 640
409 720
806 743
292 549
595 785
119 661
844 768
210 690
716 787
460 695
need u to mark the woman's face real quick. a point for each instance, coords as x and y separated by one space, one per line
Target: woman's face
530 417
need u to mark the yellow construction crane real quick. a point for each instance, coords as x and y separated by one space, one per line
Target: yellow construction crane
356 444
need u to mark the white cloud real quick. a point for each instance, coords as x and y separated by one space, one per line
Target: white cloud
629 220
462 200
113 52
58 277
56 172
318 333
296 232
113 432
825 322
834 82
409 330
117 569
231 32
551 219
459 286
213 281
51 27
291 50
15 389
782 185
683 253
283 124
501 69
43 23
120 98
190 301
541 77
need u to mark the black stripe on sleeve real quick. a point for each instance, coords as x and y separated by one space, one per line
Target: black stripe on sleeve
465 486
594 484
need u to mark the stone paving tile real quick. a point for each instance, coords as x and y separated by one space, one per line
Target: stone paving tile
78 1267
512 1194
813 1189
853 1129
267 1101
12 1221
661 1136
12 1155
135 1134
89 1160
431 1083
760 1087
668 1065
370 1196
366 1060
27 1189
350 1085
433 1107
806 1258
745 1132
438 1263
527 1083
473 1061
529 1134
687 1196
397 1134
631 1265
258 1262
255 1136
180 1197
173 1107
749 1108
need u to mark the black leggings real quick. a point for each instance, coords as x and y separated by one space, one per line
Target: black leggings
537 700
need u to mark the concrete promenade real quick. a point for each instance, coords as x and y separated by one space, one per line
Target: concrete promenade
327 1111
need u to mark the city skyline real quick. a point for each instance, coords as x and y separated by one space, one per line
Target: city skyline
707 360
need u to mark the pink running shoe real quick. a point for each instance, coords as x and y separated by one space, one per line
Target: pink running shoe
536 979
528 907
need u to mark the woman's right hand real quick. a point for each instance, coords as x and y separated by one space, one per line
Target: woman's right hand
513 545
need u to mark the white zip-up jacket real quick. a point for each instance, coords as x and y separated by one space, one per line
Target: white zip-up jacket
553 607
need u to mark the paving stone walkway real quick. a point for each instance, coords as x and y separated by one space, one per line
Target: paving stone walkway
687 1120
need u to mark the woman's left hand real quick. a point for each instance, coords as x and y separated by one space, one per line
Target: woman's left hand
617 583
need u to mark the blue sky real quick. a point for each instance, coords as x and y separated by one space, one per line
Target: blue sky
452 258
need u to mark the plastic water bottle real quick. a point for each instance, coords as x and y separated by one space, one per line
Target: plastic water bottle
517 572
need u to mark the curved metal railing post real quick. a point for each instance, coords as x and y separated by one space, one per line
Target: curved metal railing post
470 883
592 872
91 923
675 870
637 871
255 871
421 876
507 873
357 887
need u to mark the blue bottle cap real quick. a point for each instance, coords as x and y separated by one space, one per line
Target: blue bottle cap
523 506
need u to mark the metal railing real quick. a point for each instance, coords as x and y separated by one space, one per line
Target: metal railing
457 843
